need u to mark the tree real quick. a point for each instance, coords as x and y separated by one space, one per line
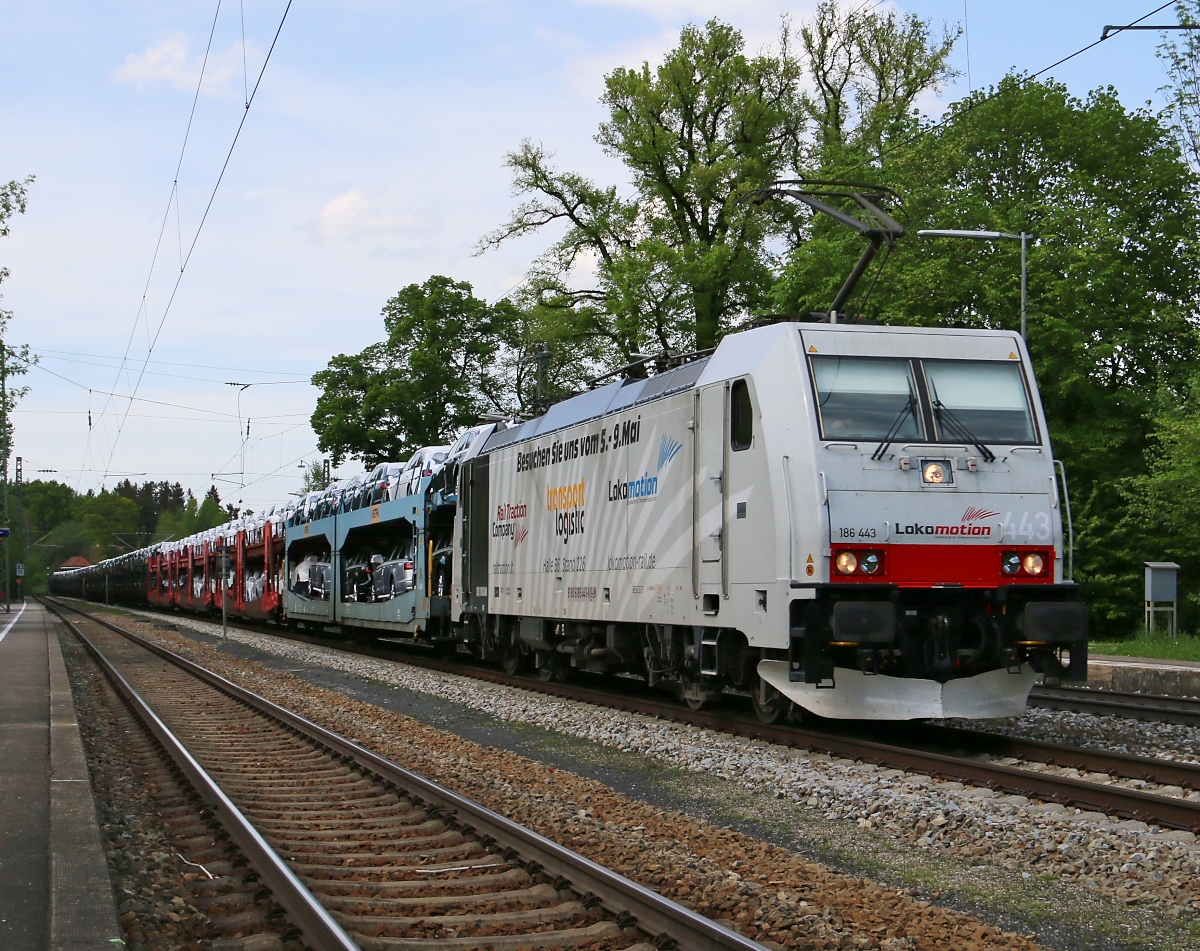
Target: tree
13 199
210 513
1162 505
43 509
868 69
13 361
684 257
110 520
1182 61
153 500
316 477
47 504
431 378
678 260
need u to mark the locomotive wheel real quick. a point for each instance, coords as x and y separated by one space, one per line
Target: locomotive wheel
511 658
694 703
547 668
770 706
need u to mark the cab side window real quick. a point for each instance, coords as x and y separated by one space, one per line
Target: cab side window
741 417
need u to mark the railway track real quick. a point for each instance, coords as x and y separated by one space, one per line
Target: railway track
362 853
919 750
1137 706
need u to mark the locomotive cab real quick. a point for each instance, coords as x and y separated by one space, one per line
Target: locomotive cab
941 575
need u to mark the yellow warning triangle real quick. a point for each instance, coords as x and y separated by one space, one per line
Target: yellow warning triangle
1011 355
812 349
810 559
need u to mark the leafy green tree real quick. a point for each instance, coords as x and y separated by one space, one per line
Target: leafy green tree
684 257
678 260
16 360
111 522
153 500
46 504
867 70
1181 57
432 376
316 477
38 509
66 539
210 514
192 517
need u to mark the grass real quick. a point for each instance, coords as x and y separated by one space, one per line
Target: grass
1157 645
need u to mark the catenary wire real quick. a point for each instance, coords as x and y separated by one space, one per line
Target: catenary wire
176 376
137 399
173 197
258 420
200 227
168 363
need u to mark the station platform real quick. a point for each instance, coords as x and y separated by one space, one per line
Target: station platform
55 890
1168 678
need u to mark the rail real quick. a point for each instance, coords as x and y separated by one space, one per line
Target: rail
660 918
1184 711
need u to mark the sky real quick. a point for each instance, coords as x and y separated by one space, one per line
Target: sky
371 157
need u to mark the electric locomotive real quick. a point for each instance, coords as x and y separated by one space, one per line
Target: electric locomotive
861 521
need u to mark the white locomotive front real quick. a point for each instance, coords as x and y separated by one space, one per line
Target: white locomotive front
864 521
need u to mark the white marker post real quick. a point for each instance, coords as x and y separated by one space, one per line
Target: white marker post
222 571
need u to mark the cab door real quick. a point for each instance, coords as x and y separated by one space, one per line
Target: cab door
709 490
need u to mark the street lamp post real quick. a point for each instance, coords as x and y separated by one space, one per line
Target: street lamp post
990 236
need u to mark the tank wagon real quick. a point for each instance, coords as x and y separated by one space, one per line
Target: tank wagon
857 521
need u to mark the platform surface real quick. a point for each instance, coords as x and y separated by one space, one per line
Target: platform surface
54 886
1119 660
1168 678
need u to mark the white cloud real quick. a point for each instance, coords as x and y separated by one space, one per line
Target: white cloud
170 62
352 216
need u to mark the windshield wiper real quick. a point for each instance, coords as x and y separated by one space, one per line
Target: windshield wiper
956 426
909 409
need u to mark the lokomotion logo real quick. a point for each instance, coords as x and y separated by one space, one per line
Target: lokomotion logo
969 525
645 487
668 449
567 504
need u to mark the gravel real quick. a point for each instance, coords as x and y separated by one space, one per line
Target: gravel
1127 861
1169 741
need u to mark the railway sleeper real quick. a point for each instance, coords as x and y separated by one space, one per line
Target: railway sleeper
534 896
601 931
483 924
511 878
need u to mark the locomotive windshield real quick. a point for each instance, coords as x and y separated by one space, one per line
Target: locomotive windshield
876 398
865 397
988 398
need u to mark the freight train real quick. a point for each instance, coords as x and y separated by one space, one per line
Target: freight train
851 521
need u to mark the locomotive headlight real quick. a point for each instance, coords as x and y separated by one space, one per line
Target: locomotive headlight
1033 563
1010 563
934 473
870 563
846 562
